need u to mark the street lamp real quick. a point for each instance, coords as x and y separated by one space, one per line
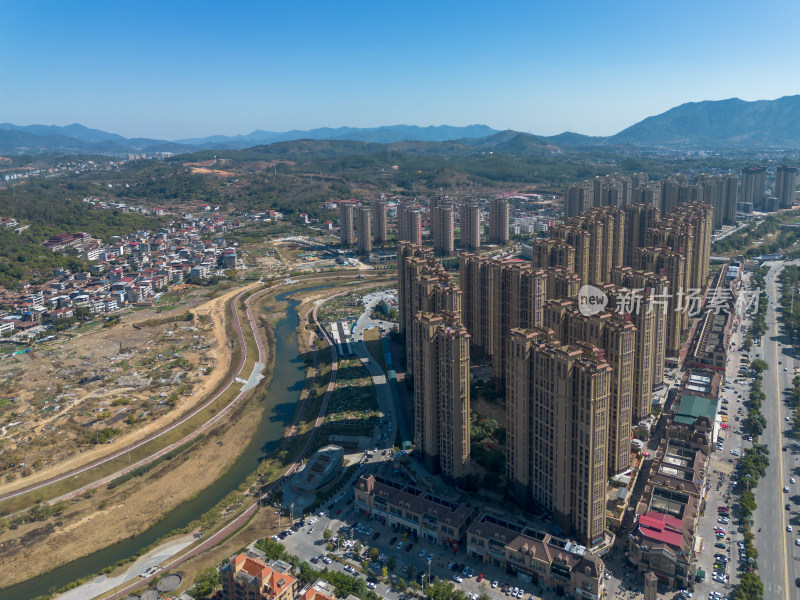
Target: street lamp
278 512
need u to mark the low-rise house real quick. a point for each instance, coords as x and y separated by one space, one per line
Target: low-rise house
248 577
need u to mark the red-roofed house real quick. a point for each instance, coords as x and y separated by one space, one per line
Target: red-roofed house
247 577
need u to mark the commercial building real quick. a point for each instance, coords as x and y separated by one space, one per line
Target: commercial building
664 539
324 466
399 503
499 220
536 557
364 224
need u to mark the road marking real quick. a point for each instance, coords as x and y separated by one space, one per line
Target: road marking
779 450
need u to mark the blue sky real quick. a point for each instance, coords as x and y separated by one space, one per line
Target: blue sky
174 69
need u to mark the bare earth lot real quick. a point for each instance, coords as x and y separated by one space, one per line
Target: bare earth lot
112 384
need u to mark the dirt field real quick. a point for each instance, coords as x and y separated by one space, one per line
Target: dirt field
132 380
111 515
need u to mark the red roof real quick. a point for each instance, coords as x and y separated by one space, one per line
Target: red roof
661 528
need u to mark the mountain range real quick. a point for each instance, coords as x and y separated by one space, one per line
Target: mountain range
731 123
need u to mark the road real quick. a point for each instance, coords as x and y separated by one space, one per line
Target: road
778 555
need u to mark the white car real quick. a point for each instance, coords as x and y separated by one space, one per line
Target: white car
788 528
457 578
495 583
786 489
791 480
371 585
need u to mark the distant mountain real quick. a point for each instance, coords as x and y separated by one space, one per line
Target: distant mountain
729 123
381 135
721 123
76 139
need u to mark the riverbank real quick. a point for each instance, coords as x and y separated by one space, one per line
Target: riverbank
288 380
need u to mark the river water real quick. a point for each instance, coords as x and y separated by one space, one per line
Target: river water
281 400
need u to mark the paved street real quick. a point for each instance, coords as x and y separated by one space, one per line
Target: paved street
778 561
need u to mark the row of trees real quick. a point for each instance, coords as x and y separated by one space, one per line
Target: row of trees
754 461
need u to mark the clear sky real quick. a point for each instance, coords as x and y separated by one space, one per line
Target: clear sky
173 69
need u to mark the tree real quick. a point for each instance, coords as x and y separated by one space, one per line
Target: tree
759 365
274 550
327 535
750 588
391 563
374 553
410 571
204 584
747 502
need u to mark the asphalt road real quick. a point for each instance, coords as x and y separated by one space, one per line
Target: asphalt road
778 556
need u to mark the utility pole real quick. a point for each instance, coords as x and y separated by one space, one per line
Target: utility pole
278 512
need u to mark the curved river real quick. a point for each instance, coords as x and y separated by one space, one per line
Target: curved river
281 400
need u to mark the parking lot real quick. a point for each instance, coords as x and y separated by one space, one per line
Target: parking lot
410 557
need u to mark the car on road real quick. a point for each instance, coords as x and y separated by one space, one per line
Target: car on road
326 560
371 585
720 545
786 489
791 480
430 557
495 583
399 545
349 569
421 553
787 419
788 507
409 547
457 578
789 528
